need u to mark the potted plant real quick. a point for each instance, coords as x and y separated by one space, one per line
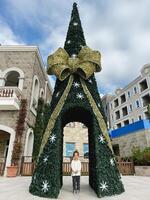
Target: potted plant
12 171
142 161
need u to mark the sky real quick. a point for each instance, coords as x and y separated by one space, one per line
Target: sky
119 29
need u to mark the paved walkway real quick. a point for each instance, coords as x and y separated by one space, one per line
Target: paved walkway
137 188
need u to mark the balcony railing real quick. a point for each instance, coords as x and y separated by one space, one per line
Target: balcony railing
10 98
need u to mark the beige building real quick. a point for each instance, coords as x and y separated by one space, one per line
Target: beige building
127 115
22 76
129 104
75 138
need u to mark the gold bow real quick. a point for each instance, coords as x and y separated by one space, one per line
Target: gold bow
85 64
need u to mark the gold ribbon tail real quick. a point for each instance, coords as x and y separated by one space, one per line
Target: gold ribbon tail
98 114
55 114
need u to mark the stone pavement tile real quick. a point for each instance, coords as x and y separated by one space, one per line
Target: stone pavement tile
137 188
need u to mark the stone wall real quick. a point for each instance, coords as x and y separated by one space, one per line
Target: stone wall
76 134
126 143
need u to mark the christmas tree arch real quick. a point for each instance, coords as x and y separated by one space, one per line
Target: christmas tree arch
75 98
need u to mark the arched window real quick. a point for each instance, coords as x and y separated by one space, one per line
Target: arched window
35 94
36 90
29 145
42 93
12 78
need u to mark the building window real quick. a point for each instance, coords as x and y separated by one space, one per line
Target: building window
116 150
41 93
129 94
143 85
112 117
118 125
135 90
116 103
86 149
140 117
117 113
35 94
130 107
124 111
146 115
123 98
70 147
12 79
132 120
111 105
146 100
126 122
137 104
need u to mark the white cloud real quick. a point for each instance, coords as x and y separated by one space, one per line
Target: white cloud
121 33
118 29
52 81
7 37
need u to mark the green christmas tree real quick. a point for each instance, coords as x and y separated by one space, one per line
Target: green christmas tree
42 117
75 98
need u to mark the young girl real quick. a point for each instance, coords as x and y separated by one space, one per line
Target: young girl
76 171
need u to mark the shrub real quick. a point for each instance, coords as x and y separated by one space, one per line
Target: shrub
141 157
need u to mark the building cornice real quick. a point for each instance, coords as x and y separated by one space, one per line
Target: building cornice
28 48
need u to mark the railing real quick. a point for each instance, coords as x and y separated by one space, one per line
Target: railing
7 91
27 166
125 166
84 168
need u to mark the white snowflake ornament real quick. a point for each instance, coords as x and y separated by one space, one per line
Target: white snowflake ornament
34 177
112 162
99 105
79 96
104 186
90 81
76 84
75 23
45 186
52 138
101 139
45 159
68 42
57 94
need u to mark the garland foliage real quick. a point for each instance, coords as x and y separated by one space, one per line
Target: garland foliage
40 125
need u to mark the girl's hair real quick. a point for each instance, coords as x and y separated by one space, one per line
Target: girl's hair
75 152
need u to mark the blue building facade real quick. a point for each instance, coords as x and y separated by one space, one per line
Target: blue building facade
126 138
130 128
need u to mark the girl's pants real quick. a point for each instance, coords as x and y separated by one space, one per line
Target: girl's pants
76 182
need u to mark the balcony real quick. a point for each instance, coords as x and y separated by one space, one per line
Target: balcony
9 98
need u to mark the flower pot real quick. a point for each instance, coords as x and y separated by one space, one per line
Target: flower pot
12 171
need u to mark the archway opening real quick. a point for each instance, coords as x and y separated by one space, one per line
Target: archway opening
4 145
12 79
84 143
